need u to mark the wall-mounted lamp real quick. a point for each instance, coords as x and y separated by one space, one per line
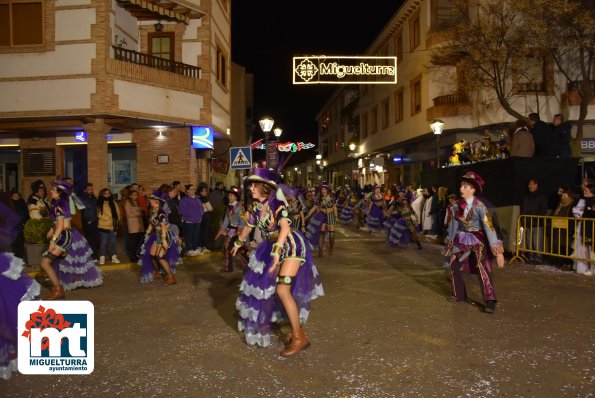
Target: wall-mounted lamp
158 26
160 134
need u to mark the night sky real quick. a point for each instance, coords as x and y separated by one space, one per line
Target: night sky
265 37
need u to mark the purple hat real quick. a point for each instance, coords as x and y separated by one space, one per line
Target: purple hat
264 176
63 186
157 195
474 179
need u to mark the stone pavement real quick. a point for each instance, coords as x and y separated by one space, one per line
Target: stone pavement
384 329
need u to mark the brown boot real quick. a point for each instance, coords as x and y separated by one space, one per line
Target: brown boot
156 275
57 293
320 245
298 342
170 280
331 242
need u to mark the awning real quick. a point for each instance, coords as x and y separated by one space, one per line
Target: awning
145 10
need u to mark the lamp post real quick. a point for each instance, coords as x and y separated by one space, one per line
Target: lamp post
266 124
437 125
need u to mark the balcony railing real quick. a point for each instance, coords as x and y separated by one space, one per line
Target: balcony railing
123 54
451 99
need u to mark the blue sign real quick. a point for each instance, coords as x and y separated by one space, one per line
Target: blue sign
397 159
202 137
240 157
80 136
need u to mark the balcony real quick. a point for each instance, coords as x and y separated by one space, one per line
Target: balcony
145 68
449 105
123 54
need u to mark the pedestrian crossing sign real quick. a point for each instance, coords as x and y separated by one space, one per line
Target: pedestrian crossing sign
240 157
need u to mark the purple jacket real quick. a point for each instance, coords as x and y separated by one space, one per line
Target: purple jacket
191 209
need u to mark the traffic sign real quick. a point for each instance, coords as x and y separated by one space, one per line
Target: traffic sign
240 157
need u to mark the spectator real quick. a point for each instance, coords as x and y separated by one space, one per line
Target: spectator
219 201
108 214
560 237
20 207
205 235
563 135
543 136
487 150
581 250
191 211
522 145
90 220
37 204
534 204
135 226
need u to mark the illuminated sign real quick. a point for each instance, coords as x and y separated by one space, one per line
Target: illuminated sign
289 146
202 137
81 136
344 70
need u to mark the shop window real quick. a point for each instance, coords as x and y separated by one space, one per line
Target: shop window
21 23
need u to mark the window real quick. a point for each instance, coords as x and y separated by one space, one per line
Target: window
39 162
414 31
162 45
21 23
399 110
399 46
532 74
221 67
385 113
444 13
374 120
416 95
364 125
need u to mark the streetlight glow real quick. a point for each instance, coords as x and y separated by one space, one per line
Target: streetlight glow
266 124
437 127
277 132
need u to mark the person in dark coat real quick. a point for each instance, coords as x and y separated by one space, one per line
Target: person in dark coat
563 134
89 219
543 136
20 207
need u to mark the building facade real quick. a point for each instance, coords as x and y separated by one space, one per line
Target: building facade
390 123
113 92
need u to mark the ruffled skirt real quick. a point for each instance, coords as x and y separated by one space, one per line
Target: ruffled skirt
374 219
258 305
15 286
173 257
77 269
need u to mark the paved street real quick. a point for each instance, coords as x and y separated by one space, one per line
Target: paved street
384 329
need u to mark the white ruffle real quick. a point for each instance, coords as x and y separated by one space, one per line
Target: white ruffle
74 267
257 292
255 265
6 371
81 283
32 292
260 339
15 268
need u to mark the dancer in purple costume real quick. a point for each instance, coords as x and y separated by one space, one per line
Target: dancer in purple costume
232 226
68 249
15 286
403 230
470 236
375 211
282 264
161 249
326 215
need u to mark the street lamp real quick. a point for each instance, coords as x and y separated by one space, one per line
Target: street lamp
277 132
266 124
437 125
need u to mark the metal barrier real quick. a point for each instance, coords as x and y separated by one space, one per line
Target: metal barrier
563 237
